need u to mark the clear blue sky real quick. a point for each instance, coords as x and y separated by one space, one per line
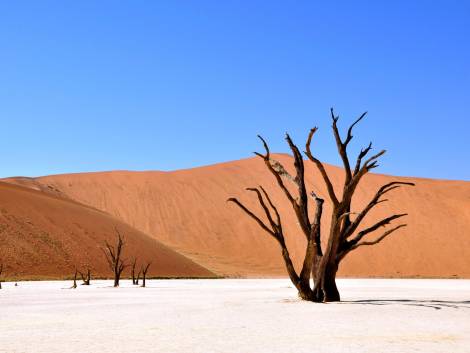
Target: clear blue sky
140 85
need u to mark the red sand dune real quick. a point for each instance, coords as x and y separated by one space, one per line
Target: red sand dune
187 210
43 236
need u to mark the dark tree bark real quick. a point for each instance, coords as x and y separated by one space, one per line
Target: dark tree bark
321 262
113 257
144 273
85 278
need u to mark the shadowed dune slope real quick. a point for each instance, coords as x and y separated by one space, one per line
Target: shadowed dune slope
187 210
43 236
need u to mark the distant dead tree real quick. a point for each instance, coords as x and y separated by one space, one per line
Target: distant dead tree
86 277
74 285
1 270
138 277
321 262
144 270
135 280
113 257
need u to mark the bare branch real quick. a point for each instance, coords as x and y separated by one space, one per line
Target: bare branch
373 202
278 217
350 136
361 155
368 165
279 168
265 208
341 147
300 207
346 214
146 268
273 171
252 215
373 228
321 168
371 162
108 254
267 155
379 239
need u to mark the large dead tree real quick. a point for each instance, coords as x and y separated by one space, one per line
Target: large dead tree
114 258
321 261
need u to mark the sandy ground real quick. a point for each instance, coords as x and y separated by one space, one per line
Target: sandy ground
235 316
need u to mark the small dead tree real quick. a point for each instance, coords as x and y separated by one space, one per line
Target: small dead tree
144 270
321 262
134 280
138 277
74 285
113 257
86 278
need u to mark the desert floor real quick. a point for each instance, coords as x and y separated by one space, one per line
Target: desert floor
228 315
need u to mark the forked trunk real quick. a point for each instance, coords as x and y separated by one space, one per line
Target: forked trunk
324 287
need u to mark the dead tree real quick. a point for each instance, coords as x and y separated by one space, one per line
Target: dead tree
113 257
1 270
85 278
74 285
144 272
138 277
321 262
134 280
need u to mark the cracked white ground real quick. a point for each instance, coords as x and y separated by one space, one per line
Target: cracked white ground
228 315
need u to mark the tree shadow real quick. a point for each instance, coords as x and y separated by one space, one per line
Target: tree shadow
434 304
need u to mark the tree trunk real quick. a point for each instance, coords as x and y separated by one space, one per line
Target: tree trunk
74 285
325 284
88 277
117 276
134 281
330 289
